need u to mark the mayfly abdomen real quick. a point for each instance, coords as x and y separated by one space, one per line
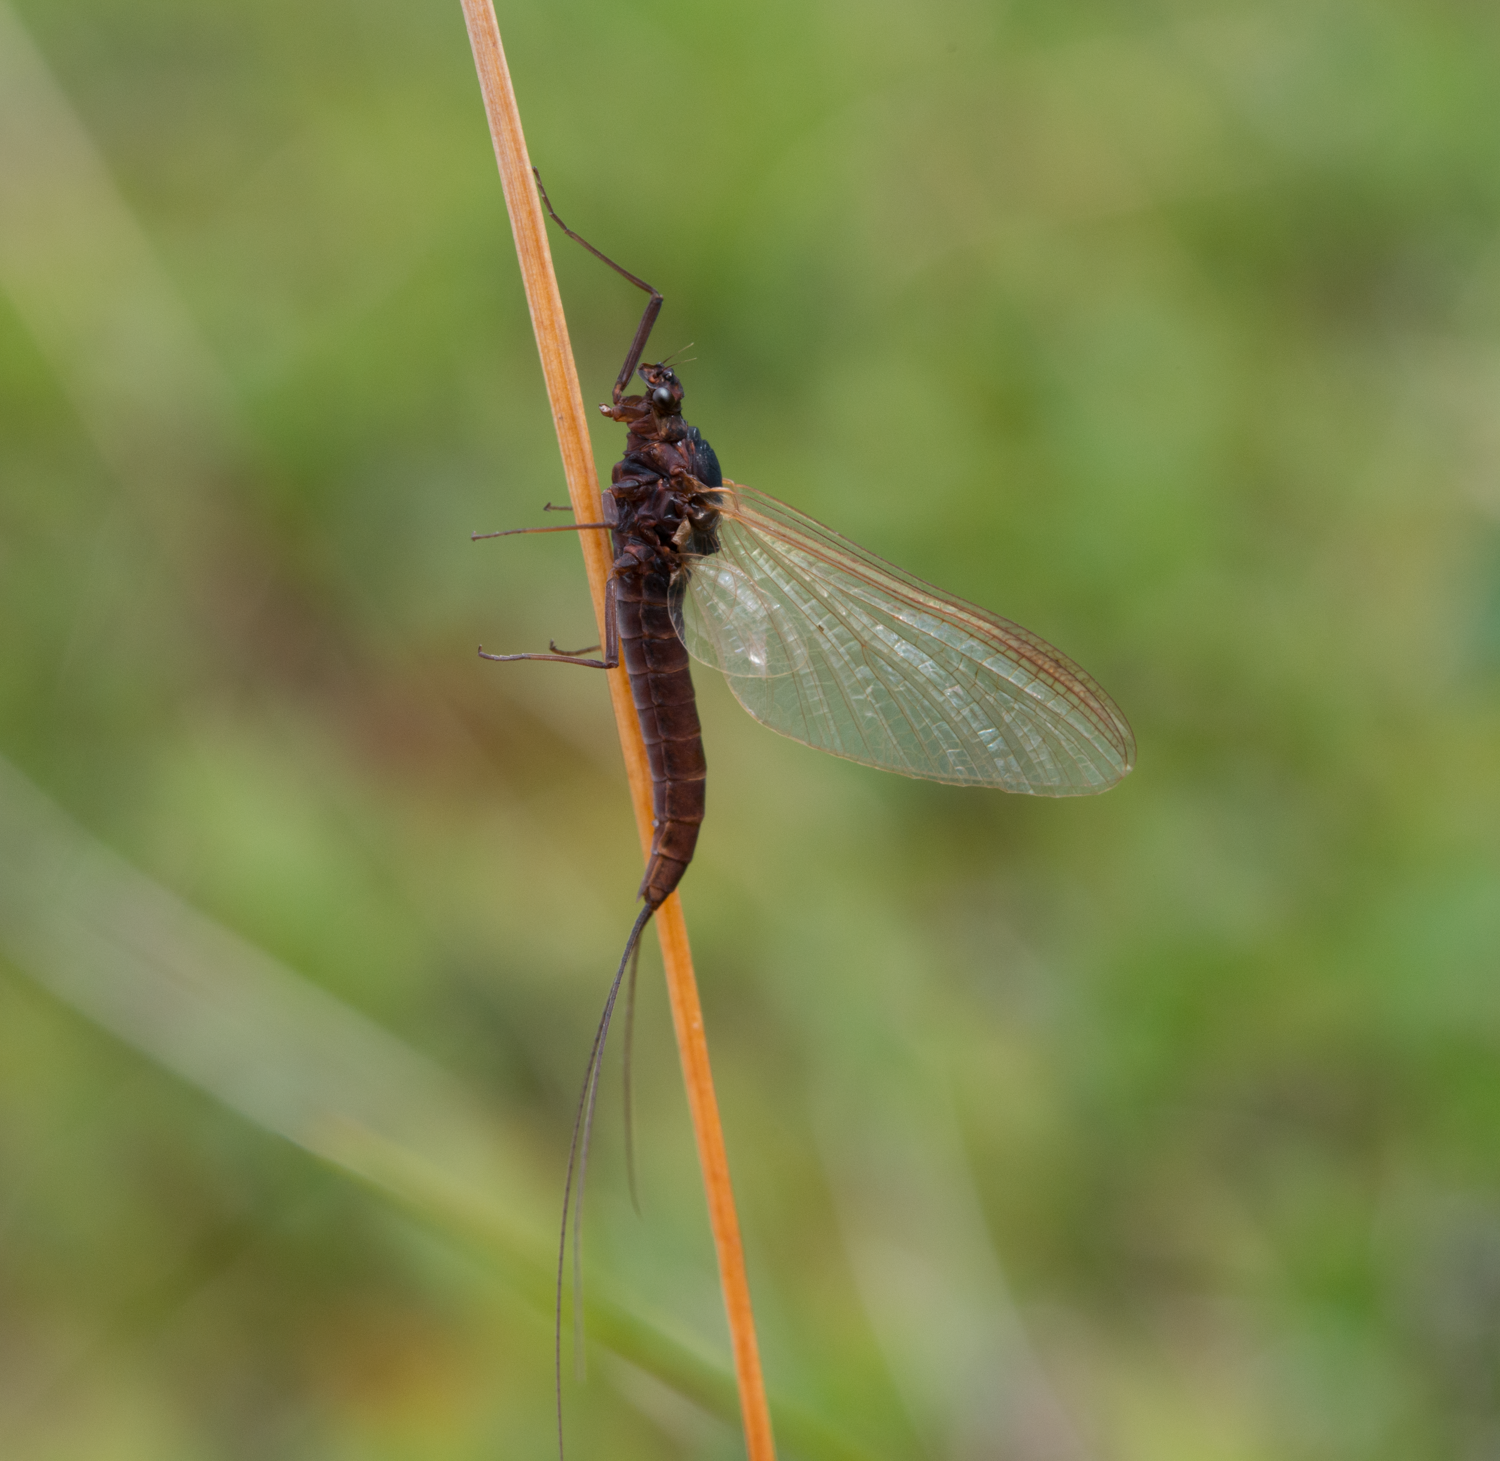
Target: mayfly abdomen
657 662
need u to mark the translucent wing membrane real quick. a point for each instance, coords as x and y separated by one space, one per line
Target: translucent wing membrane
830 645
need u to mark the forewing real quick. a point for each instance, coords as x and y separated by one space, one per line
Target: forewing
831 645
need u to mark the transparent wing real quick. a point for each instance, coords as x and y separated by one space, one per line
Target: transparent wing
831 645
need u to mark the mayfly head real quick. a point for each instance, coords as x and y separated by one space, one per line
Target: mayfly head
665 390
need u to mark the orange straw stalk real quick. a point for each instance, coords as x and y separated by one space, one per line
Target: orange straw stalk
568 414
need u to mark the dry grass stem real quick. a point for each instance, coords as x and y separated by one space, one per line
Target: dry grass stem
568 414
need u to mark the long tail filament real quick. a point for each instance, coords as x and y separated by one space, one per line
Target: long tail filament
578 1163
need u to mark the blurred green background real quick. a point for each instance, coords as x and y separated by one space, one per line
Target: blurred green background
1159 1125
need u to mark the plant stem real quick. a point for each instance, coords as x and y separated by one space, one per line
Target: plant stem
568 415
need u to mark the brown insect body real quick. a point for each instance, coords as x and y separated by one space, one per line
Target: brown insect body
658 505
820 640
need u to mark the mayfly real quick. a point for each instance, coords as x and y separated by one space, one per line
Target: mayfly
818 639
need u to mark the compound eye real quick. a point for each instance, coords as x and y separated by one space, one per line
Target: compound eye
662 395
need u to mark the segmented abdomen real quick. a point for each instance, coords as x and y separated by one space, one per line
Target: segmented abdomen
657 663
